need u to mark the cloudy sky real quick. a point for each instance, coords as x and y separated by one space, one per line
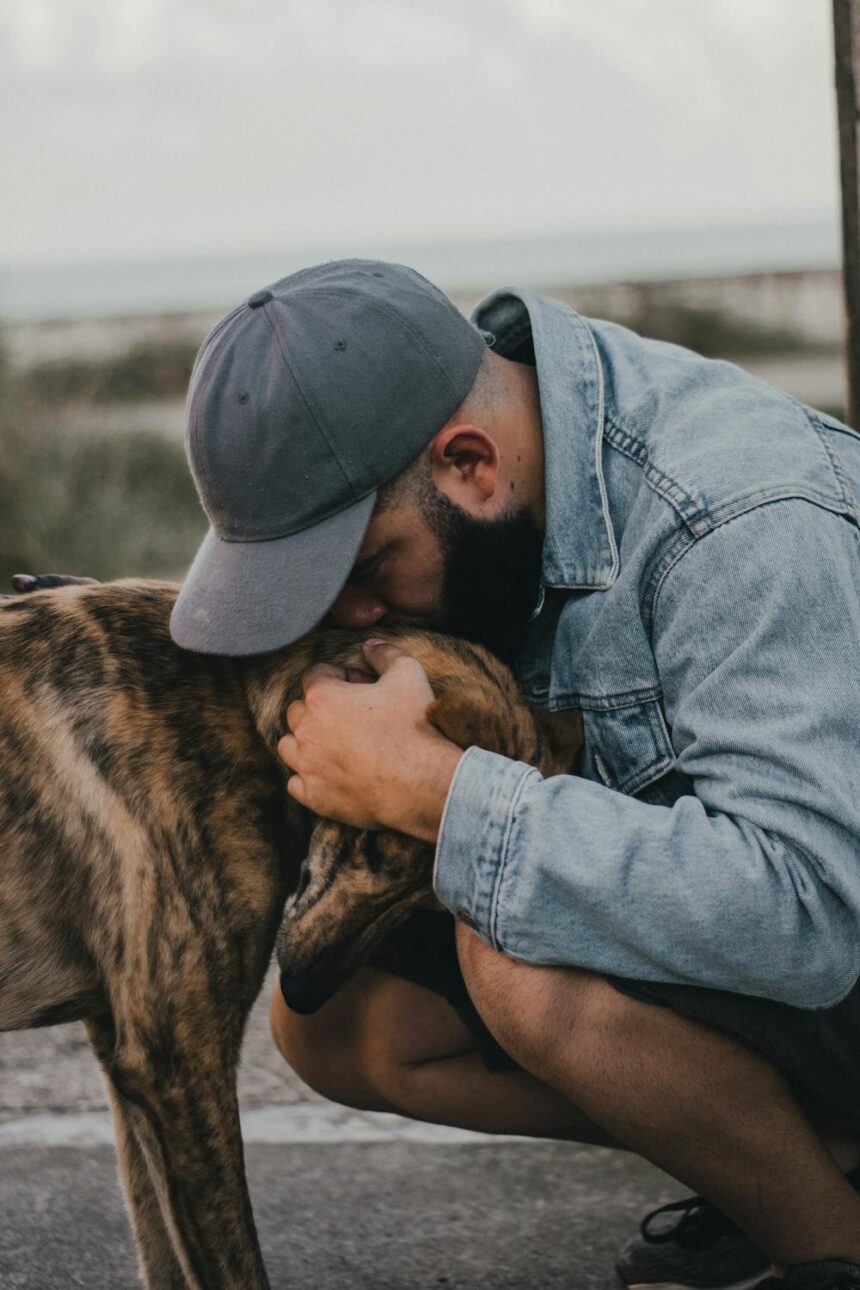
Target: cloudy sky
158 127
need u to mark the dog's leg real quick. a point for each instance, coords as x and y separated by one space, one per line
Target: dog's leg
181 1103
159 1266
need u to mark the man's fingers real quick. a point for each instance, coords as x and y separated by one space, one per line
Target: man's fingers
358 676
382 655
295 712
288 750
23 582
389 660
322 672
296 789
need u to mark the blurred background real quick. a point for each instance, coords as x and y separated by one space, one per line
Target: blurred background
670 165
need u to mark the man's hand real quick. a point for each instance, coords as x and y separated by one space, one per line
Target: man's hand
24 582
366 754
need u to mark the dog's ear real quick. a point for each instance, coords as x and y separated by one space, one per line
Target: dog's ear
471 717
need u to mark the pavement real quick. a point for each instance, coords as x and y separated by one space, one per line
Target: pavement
341 1198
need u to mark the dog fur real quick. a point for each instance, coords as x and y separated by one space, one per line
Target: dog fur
356 886
148 848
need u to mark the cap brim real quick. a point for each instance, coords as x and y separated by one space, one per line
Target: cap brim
252 597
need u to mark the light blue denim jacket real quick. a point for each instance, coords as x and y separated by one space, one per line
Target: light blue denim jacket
702 611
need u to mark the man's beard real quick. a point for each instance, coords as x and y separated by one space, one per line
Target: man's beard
491 573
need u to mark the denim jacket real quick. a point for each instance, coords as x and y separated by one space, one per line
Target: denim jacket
701 609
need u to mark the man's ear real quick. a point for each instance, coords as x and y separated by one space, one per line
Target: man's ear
465 461
469 717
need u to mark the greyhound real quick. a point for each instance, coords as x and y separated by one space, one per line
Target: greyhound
149 847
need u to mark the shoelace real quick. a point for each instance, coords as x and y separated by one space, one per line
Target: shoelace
775 1283
698 1226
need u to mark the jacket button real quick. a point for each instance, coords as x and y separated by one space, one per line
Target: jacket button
463 916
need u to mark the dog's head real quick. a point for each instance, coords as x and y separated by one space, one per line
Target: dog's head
355 886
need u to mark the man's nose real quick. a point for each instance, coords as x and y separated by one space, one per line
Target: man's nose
357 608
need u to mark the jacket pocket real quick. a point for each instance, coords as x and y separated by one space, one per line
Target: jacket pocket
627 746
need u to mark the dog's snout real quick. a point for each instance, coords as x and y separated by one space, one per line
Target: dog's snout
304 993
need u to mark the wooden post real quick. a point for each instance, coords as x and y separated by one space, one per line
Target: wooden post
846 30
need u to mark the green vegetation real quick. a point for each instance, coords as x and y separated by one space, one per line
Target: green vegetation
109 505
115 502
684 314
713 332
148 370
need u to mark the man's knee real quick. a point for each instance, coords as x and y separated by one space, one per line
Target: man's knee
530 1009
325 1051
363 1046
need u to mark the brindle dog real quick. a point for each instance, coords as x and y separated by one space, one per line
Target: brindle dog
148 849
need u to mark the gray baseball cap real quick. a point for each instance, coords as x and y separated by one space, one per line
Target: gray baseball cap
303 401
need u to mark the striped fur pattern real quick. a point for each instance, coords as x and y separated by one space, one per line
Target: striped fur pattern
356 886
148 849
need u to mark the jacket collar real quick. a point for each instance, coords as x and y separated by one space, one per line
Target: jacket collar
579 550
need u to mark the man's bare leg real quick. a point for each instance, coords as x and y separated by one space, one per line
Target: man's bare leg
694 1100
386 1044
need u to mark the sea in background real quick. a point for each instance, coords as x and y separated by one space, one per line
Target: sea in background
197 283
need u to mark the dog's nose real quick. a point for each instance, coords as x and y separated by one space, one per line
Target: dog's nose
304 993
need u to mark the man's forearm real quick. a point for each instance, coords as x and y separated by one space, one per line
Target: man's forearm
566 871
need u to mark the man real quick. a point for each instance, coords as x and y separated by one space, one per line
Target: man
662 952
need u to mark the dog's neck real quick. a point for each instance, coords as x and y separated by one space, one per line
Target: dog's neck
273 681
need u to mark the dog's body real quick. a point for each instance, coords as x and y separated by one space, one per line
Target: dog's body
148 847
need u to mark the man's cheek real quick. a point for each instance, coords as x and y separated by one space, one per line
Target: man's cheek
417 598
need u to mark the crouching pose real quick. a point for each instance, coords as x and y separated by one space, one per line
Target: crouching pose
660 951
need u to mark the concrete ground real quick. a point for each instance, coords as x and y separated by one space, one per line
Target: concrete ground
342 1199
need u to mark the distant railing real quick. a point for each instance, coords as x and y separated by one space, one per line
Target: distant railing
846 31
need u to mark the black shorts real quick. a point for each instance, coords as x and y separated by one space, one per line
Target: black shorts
818 1050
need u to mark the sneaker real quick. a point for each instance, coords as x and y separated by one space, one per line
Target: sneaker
829 1274
690 1245
695 1247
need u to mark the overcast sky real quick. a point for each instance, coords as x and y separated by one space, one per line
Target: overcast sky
151 127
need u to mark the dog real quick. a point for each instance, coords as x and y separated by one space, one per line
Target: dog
148 849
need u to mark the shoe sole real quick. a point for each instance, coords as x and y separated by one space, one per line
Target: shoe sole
747 1284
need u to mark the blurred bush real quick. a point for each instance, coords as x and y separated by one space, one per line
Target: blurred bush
105 504
148 370
115 503
716 333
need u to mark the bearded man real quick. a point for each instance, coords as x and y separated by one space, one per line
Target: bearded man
661 952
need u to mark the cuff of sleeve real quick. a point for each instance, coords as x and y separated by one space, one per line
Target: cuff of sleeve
476 824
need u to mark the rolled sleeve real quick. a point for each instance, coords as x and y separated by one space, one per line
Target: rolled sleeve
473 837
